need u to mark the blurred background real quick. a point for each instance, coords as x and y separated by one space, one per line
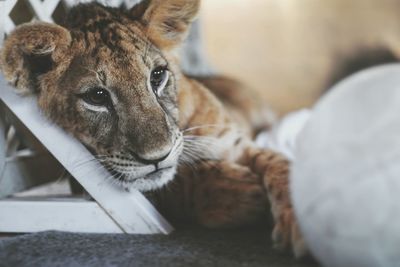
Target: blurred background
293 50
290 51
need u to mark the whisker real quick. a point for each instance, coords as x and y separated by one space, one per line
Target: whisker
84 162
189 164
205 126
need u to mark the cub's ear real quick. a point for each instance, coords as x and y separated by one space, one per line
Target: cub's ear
166 21
30 50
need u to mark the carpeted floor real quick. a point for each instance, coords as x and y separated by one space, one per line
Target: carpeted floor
189 247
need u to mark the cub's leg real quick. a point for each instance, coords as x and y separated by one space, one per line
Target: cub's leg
215 194
274 170
224 194
227 195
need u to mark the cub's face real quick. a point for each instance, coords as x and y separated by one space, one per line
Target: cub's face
109 78
123 101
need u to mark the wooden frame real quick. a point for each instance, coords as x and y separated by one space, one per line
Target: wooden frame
113 209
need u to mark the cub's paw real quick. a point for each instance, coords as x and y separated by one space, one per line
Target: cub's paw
286 233
274 170
227 195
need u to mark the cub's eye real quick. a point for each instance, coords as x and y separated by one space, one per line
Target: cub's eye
158 79
97 97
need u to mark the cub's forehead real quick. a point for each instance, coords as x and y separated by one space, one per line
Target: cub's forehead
111 42
122 39
125 55
115 45
94 15
94 26
108 40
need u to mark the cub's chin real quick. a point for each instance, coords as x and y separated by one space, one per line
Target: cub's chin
151 181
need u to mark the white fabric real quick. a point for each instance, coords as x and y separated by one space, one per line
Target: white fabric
283 136
345 179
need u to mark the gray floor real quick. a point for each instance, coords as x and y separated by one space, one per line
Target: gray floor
188 247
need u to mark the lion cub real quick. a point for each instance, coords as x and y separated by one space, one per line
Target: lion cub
111 79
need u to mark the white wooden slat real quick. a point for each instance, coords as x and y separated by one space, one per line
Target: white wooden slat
44 9
12 142
25 215
113 3
22 173
60 187
6 24
70 3
130 3
3 147
6 7
50 5
130 210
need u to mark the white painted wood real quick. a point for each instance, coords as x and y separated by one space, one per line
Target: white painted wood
131 211
44 9
21 169
60 187
23 172
3 147
44 214
12 142
6 23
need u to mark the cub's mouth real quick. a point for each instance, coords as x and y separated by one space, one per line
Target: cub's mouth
151 181
127 173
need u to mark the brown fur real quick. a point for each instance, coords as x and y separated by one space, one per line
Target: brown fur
229 180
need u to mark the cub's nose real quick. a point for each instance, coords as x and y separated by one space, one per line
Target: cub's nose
150 160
